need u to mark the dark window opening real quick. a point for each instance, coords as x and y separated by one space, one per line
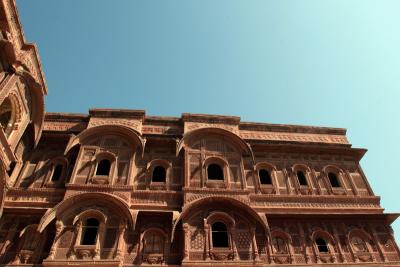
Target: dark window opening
154 243
215 172
12 166
279 245
265 177
57 173
322 245
219 235
89 232
6 116
333 179
159 174
302 178
103 168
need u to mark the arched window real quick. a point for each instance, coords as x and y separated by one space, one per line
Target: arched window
89 231
159 174
153 243
359 244
333 179
265 176
103 168
57 173
322 245
215 172
219 235
301 177
280 246
6 117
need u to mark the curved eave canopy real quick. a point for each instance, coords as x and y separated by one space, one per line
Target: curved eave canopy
211 201
132 136
237 140
108 200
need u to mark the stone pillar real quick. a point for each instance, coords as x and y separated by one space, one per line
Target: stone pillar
120 242
234 247
316 179
186 243
100 240
339 244
378 244
206 239
256 181
59 229
256 256
353 186
288 174
304 242
167 247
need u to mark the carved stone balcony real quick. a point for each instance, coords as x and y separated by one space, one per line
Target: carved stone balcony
282 258
221 254
153 258
85 252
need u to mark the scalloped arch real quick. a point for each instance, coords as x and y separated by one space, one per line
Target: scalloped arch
229 135
213 199
131 135
103 198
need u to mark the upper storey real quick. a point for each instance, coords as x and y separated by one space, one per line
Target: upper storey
249 157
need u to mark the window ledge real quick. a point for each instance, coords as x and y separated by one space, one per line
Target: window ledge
221 254
85 251
100 179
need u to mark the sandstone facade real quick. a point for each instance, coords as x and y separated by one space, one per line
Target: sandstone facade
119 188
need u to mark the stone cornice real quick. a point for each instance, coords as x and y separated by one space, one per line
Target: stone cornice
174 126
117 113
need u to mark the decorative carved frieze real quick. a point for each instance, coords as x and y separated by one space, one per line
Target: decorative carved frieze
295 137
168 130
156 198
190 126
134 124
121 191
64 126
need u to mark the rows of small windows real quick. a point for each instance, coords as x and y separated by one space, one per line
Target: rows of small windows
153 240
280 244
265 178
159 173
214 172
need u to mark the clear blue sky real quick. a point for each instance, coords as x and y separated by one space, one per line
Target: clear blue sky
326 63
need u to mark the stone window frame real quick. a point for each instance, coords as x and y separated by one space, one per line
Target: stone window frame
324 257
218 253
154 258
89 251
29 256
223 163
266 188
367 239
53 163
339 175
16 115
104 179
302 189
167 165
286 237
